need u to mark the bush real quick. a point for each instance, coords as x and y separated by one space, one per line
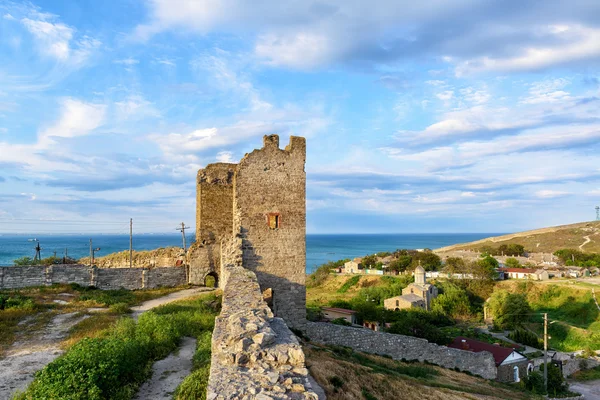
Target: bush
349 283
534 382
120 308
527 338
114 365
341 321
322 272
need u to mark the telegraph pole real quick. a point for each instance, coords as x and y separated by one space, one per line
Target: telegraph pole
182 229
130 242
91 254
38 250
546 352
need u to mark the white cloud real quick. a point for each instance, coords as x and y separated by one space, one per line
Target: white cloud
127 61
550 194
225 156
445 95
77 119
8 17
547 92
569 43
135 107
3 130
53 39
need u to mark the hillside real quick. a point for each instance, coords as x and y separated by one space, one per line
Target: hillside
162 257
346 374
584 236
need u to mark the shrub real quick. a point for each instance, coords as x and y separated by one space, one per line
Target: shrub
348 284
341 321
534 382
114 365
322 272
527 338
120 308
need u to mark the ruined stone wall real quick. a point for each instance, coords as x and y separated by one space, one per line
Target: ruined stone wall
214 202
102 278
270 183
203 259
402 347
254 354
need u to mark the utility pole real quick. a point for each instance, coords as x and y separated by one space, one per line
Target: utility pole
546 352
38 250
54 253
92 253
182 229
130 242
66 256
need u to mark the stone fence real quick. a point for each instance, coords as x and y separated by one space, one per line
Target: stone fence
102 278
254 355
402 347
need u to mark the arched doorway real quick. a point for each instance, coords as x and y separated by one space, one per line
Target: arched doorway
211 280
516 374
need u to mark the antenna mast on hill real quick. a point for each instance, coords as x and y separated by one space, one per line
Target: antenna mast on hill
597 213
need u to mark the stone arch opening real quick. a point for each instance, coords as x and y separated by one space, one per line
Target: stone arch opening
211 280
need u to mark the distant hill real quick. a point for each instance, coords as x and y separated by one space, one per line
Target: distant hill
162 257
584 236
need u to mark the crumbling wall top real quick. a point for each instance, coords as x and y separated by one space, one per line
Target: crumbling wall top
219 173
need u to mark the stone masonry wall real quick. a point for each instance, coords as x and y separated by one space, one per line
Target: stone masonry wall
214 203
102 278
254 354
399 347
203 259
272 182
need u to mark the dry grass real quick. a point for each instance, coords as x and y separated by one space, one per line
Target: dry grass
21 324
549 239
328 291
359 382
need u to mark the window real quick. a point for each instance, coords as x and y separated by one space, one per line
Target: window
397 303
274 220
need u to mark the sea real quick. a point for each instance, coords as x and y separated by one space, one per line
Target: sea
319 248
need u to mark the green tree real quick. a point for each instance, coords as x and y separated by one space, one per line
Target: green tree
369 261
512 263
453 302
510 310
23 261
428 260
455 265
556 381
401 263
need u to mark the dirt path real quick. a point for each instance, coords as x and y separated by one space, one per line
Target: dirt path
587 240
30 354
150 304
590 389
169 372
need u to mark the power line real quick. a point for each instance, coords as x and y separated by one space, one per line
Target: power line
182 229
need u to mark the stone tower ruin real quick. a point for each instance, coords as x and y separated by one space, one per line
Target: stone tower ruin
261 200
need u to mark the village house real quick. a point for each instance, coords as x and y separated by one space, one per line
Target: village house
416 295
332 313
353 266
512 366
526 273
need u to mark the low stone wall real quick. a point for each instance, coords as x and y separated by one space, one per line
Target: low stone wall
102 278
402 347
254 355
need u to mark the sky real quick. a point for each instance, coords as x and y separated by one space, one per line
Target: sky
430 116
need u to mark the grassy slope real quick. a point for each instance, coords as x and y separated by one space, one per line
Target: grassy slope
372 377
40 308
549 239
578 318
328 291
121 259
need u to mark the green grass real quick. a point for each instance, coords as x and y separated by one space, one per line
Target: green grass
194 385
113 365
349 283
587 374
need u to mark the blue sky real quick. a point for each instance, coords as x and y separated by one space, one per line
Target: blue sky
479 116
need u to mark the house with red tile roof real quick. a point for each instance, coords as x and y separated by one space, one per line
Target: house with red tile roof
512 365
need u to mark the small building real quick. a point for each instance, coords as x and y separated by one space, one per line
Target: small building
405 301
353 266
372 325
331 313
512 366
555 273
416 295
526 273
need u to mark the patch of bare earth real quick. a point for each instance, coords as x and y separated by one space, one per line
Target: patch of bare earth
33 350
169 372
